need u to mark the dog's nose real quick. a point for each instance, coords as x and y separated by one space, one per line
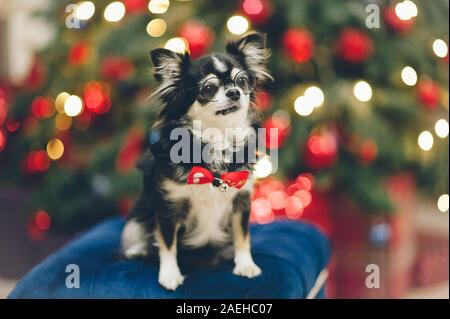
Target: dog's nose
233 94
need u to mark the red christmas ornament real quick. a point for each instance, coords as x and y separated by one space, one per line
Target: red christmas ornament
321 150
116 68
277 130
395 23
36 76
96 98
257 11
428 93
198 36
3 108
37 161
12 126
136 6
368 152
354 46
263 100
42 107
130 151
79 53
2 140
298 44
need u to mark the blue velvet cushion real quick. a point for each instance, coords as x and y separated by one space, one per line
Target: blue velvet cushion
290 254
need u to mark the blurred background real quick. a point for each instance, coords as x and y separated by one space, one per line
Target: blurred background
360 100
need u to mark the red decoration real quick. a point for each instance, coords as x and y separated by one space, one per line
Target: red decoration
12 126
115 68
3 107
263 100
354 46
36 76
321 150
96 98
2 140
79 53
277 130
368 151
130 151
37 161
257 11
42 107
395 23
428 93
298 44
42 220
136 6
198 36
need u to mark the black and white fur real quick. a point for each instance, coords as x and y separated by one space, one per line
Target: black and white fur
171 216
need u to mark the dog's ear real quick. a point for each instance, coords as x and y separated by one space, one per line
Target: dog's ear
168 65
251 50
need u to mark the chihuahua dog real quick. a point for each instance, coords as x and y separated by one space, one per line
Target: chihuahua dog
198 202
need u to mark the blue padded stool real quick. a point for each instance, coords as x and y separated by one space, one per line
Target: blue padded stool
293 257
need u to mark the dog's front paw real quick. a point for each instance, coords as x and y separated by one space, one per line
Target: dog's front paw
247 269
136 251
170 278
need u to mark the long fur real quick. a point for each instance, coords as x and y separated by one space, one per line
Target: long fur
171 218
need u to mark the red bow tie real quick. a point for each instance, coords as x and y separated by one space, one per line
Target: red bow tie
200 175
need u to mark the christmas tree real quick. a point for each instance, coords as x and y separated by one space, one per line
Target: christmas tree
360 94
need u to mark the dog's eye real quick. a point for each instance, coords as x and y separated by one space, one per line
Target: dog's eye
209 89
245 83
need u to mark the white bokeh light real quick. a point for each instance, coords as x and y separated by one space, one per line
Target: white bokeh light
362 91
85 10
158 6
303 106
177 44
315 96
263 168
406 10
425 141
443 203
409 76
441 128
73 105
115 11
440 48
237 24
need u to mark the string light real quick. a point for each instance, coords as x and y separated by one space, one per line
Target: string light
156 28
85 10
302 106
263 168
425 141
73 105
55 148
362 91
158 6
409 76
63 122
60 100
237 24
315 96
177 44
440 48
443 203
441 128
114 12
406 10
42 220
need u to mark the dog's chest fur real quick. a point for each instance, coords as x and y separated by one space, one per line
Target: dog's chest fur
209 212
